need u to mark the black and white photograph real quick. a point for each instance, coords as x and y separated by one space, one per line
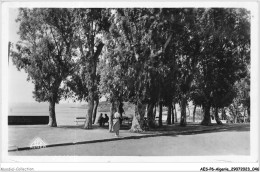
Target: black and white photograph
130 83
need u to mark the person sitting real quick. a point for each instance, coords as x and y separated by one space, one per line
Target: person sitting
100 120
105 120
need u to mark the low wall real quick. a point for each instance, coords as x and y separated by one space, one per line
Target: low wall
27 120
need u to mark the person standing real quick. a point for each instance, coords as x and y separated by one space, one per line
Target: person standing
116 126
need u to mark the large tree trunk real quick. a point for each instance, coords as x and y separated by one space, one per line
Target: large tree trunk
217 117
231 109
172 114
235 119
188 109
95 111
183 105
52 115
248 112
223 114
206 120
169 115
150 115
111 116
194 112
154 111
244 116
88 122
176 120
93 77
138 120
120 109
160 114
236 115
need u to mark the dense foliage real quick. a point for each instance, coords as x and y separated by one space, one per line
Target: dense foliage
146 56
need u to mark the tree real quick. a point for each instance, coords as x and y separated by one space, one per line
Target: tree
92 23
225 53
170 55
113 84
120 67
188 51
46 52
245 94
156 59
160 113
194 113
146 38
241 102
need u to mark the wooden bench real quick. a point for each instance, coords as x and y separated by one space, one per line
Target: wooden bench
127 120
83 119
80 119
105 122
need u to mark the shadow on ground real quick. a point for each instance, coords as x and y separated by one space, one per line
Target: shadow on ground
122 127
170 130
176 129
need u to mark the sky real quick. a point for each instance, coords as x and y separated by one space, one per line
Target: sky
19 89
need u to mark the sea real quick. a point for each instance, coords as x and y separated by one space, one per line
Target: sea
65 112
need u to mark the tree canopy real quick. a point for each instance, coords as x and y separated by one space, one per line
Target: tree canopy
141 55
46 52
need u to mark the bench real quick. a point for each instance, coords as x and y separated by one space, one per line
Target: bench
80 119
104 122
127 120
83 119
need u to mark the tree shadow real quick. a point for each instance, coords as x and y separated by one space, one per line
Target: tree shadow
94 126
173 133
197 128
171 129
160 134
217 130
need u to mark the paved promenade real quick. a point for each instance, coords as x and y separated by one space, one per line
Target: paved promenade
20 137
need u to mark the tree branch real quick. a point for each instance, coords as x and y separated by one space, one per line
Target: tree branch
98 51
167 42
55 40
